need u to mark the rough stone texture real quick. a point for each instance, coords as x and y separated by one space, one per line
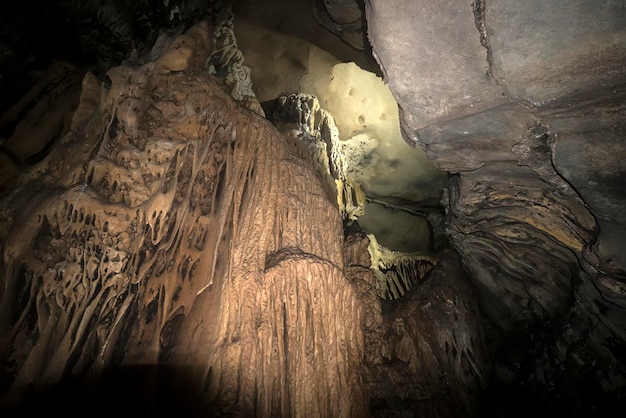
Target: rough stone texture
541 51
518 238
189 249
366 116
588 152
144 265
426 353
33 125
525 104
296 18
434 45
344 18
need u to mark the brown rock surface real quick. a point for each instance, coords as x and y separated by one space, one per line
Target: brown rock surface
188 236
174 255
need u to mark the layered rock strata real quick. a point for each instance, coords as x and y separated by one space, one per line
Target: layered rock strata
509 99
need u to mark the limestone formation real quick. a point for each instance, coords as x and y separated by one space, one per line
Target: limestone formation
227 59
189 230
301 117
426 352
510 99
186 234
397 272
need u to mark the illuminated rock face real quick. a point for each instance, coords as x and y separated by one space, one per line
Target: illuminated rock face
187 236
175 255
175 252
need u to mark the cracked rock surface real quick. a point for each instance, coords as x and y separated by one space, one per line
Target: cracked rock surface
524 105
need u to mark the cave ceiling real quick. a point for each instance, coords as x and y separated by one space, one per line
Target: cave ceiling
480 146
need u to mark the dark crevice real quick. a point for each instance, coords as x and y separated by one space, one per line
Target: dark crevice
479 9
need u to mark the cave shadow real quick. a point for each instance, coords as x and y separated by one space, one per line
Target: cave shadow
128 391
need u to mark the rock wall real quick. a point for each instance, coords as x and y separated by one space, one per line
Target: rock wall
425 353
524 105
175 255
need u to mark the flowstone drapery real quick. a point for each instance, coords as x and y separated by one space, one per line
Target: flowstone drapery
397 272
177 235
301 117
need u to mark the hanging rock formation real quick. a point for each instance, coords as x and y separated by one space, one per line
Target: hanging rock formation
170 252
176 234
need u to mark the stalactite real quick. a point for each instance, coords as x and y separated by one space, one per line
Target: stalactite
193 236
396 272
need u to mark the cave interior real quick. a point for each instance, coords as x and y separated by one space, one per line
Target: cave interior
317 208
